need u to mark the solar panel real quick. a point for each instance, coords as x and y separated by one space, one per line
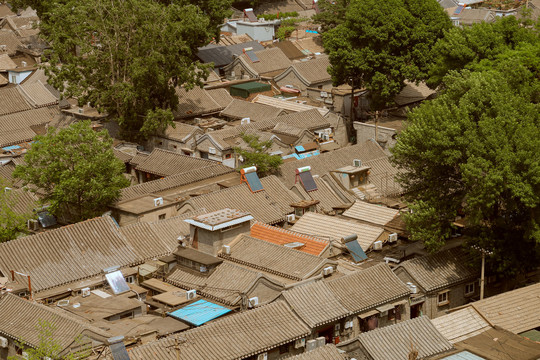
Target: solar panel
254 182
308 181
250 15
119 351
117 282
252 56
459 9
356 251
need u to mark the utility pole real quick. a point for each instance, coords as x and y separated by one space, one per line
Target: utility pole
482 275
350 125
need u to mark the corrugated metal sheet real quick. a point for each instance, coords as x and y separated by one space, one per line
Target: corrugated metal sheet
461 324
200 312
375 214
463 355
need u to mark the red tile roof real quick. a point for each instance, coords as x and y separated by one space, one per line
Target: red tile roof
279 236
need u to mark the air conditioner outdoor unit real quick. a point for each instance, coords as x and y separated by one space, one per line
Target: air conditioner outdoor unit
191 294
325 137
81 110
300 343
211 150
291 218
392 238
328 270
203 269
377 245
7 189
311 345
32 224
226 249
245 121
85 292
263 356
321 341
357 162
252 302
3 342
412 288
158 201
348 324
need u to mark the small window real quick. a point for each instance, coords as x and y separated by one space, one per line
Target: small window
174 146
469 289
228 156
443 298
161 217
130 279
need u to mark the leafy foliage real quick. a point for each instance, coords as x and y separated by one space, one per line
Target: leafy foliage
332 13
76 169
473 151
284 32
257 155
465 48
127 56
48 347
12 223
380 44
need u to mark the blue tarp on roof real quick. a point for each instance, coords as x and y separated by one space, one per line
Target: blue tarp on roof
199 312
356 251
12 147
301 156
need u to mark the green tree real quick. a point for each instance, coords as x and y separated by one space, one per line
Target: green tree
381 44
76 170
257 155
126 57
473 152
12 221
49 347
332 13
465 48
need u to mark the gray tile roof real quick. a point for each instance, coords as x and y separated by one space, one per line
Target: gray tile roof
270 60
17 127
440 270
239 109
238 336
394 342
461 324
323 163
315 303
164 163
195 102
225 284
516 310
276 259
223 55
12 101
174 181
328 192
180 132
336 228
366 289
67 254
21 321
268 206
372 213
221 96
326 352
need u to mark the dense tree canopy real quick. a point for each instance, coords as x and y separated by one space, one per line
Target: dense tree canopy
257 155
332 13
76 170
473 152
12 222
383 43
464 48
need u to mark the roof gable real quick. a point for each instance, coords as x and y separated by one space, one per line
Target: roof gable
372 213
440 270
195 102
273 258
394 341
362 290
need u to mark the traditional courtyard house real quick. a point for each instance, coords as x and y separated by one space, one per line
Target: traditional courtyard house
264 64
374 297
307 74
439 282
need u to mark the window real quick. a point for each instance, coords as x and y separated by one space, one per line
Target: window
442 298
469 289
284 349
161 217
130 279
228 156
174 146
